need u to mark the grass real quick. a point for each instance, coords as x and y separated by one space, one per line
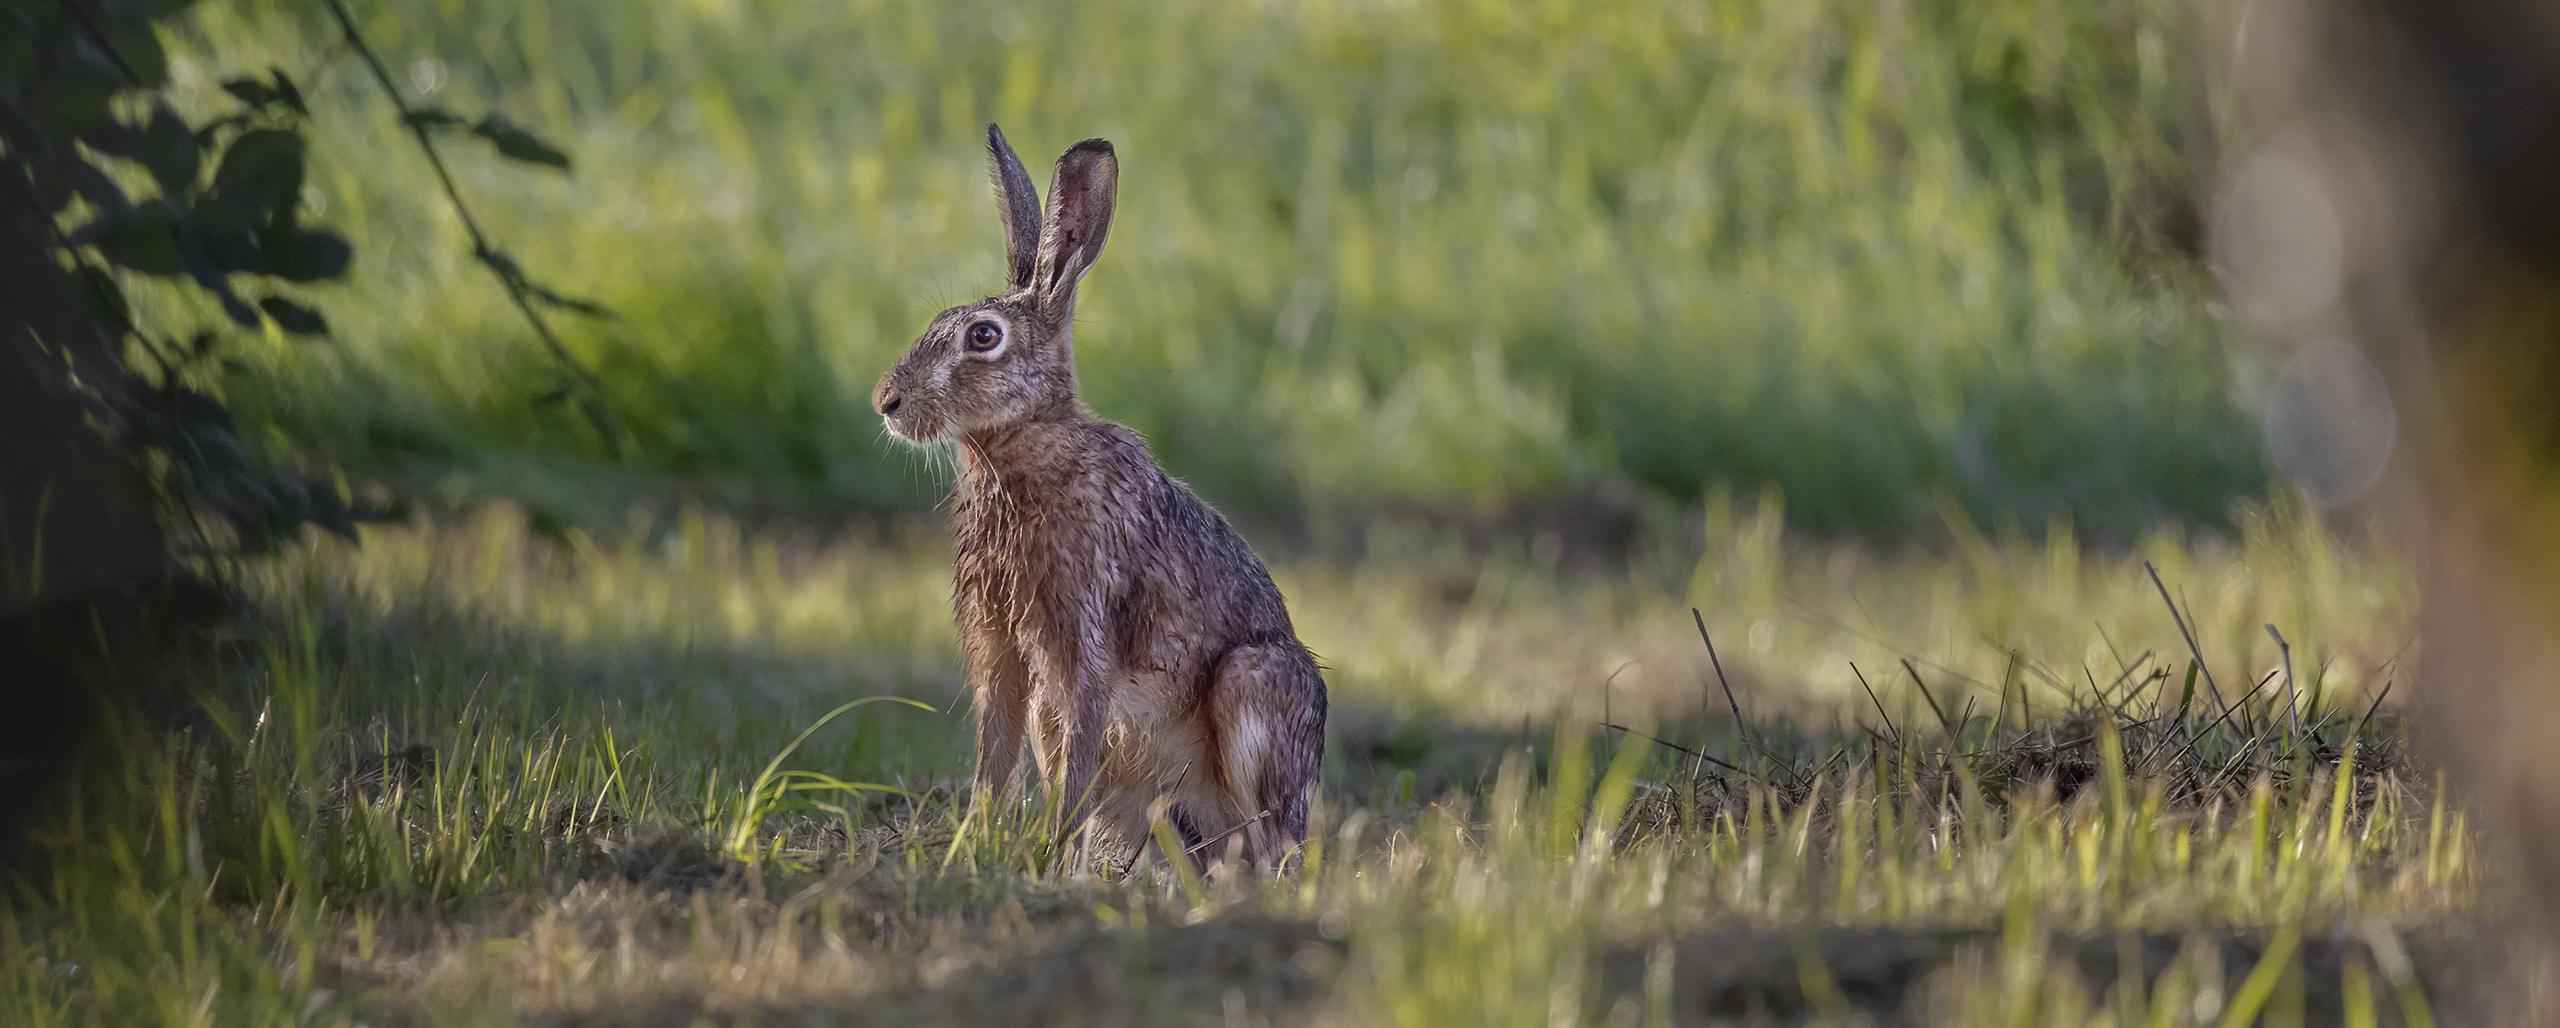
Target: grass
1870 254
1907 269
470 774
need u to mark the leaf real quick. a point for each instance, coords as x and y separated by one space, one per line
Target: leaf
258 181
572 304
252 92
288 92
515 143
111 137
204 136
329 510
94 186
431 117
193 410
170 150
302 255
147 242
293 317
162 144
239 311
228 252
259 155
215 278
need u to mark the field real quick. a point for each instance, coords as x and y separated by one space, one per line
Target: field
1396 254
1537 346
467 774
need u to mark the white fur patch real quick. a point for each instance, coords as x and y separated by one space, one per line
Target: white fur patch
1248 750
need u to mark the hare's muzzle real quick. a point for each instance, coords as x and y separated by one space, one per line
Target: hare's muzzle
909 414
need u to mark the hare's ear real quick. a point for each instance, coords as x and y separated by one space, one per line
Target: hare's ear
1018 203
1080 201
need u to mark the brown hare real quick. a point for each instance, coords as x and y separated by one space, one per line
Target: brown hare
1103 608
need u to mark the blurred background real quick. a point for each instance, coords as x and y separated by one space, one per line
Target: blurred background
1894 260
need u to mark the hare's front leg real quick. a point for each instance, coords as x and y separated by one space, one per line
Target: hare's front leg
995 667
1068 663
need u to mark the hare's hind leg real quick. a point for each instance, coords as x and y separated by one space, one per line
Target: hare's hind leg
1267 702
1116 824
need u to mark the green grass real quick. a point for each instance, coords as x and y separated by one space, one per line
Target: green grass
468 774
1434 254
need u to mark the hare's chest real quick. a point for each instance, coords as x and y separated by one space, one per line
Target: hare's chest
1032 573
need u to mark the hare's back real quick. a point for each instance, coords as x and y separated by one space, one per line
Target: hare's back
1206 582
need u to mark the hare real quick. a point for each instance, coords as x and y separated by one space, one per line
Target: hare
1103 608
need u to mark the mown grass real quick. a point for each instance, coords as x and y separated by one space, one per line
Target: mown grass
1441 254
468 774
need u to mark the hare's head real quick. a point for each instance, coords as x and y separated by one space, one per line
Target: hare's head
1010 358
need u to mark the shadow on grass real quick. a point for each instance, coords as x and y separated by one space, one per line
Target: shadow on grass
1256 970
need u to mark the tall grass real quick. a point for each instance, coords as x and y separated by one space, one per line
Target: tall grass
1433 253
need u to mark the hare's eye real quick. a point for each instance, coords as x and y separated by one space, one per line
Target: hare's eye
983 337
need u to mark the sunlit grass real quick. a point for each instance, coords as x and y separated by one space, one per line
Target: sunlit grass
470 772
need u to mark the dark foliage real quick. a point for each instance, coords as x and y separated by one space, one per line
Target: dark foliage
118 468
100 179
105 179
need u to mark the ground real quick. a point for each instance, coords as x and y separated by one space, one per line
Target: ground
468 773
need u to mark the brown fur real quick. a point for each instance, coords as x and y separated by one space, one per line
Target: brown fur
1105 611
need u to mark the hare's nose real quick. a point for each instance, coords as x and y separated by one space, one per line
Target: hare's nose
887 402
